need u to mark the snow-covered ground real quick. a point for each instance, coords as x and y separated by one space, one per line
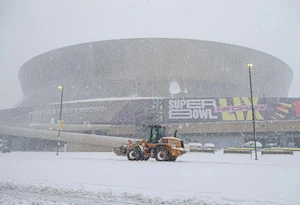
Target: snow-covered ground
102 178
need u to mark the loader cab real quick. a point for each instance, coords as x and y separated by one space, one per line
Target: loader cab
156 132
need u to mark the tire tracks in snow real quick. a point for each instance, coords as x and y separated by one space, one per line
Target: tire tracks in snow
16 193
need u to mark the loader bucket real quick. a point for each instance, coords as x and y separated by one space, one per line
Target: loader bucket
117 151
120 151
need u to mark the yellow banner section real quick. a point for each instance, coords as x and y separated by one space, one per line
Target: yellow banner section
239 115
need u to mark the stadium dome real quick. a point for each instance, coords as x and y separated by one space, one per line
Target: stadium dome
151 67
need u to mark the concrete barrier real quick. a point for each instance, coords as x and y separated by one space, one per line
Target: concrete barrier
203 150
240 148
277 152
107 142
228 151
286 149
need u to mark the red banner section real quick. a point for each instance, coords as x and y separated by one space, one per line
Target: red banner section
297 108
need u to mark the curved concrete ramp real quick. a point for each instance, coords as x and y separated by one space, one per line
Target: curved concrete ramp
77 139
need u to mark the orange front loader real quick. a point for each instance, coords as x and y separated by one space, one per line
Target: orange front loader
157 146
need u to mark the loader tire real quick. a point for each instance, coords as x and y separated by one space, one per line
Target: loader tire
162 154
173 159
134 154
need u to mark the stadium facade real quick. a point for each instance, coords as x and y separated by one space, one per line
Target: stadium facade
184 84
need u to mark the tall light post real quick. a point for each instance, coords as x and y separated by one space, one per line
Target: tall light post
253 119
60 112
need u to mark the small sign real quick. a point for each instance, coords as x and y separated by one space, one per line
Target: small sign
60 124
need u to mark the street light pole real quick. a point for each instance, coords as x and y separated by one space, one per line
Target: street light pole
60 112
253 119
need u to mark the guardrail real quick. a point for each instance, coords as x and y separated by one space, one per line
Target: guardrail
277 152
240 148
244 148
237 151
285 149
202 150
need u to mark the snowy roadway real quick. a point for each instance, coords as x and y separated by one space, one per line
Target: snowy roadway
102 178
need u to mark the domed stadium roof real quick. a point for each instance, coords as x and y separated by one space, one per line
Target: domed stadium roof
151 67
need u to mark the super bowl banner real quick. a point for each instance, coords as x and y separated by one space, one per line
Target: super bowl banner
160 110
230 109
192 109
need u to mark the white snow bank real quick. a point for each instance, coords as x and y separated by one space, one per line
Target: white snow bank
194 179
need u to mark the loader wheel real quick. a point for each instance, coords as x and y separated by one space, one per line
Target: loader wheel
173 159
162 155
134 154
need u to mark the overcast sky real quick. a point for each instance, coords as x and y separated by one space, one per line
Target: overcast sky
31 27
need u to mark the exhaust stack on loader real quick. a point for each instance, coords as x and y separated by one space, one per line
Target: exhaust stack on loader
157 146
